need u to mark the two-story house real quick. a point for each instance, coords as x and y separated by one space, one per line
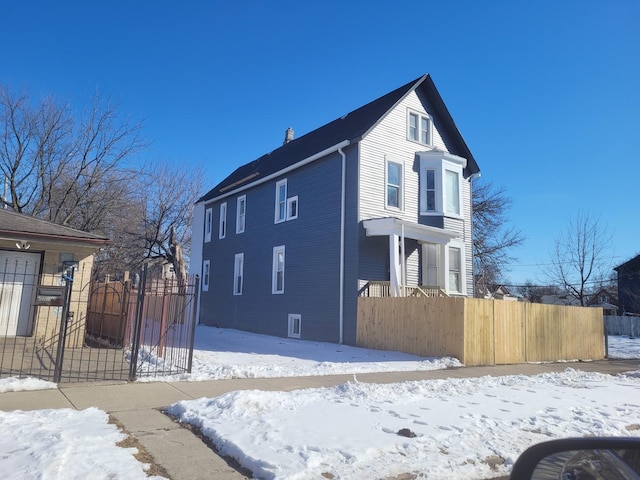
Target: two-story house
284 244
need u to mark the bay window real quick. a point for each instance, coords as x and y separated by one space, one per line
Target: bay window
441 176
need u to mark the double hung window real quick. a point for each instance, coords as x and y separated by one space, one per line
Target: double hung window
455 270
394 185
222 230
241 211
208 224
238 274
419 127
277 280
205 275
281 201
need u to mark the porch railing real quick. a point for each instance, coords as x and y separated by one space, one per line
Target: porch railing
383 289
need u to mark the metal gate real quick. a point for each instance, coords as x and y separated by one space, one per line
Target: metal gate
112 331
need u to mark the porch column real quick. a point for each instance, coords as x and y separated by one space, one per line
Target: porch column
394 266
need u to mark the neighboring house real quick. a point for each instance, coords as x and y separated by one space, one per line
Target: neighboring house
492 291
34 253
629 286
605 298
560 299
382 194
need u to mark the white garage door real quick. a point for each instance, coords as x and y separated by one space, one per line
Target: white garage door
18 280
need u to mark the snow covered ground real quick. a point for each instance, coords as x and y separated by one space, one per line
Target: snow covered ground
225 353
458 428
462 427
469 428
64 444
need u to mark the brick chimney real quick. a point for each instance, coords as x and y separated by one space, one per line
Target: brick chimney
288 135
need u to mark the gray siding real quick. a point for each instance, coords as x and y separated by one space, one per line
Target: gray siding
312 256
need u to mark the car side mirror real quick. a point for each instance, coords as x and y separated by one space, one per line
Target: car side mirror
591 458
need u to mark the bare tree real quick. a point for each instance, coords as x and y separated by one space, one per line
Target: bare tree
81 173
61 170
168 195
534 293
580 257
492 239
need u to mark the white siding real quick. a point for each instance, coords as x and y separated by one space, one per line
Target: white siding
389 140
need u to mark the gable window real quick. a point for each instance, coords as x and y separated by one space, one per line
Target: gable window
295 325
292 208
419 128
205 275
241 210
441 183
222 230
281 201
208 224
394 184
455 270
238 273
277 280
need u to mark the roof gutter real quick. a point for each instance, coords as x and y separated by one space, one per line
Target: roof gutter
301 163
48 238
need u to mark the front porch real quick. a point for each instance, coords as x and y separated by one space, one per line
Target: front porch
383 289
434 265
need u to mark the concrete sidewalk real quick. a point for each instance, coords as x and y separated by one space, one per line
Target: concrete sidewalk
184 456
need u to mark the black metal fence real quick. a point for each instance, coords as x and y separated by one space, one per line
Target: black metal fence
99 331
164 327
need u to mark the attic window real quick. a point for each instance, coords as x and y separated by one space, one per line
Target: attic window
419 127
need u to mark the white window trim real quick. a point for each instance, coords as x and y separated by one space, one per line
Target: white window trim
241 220
457 171
206 275
419 127
274 272
463 268
291 321
238 273
441 162
222 224
400 206
289 202
439 265
208 224
277 218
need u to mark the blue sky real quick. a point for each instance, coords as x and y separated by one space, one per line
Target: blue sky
546 94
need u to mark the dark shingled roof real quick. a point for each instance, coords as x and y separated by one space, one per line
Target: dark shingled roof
352 127
18 225
629 266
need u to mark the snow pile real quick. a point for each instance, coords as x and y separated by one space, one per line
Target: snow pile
454 428
64 444
14 384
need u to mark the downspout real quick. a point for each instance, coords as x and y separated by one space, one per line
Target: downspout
343 195
403 267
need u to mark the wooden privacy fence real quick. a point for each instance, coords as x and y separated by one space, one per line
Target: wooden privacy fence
479 331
